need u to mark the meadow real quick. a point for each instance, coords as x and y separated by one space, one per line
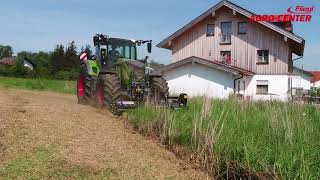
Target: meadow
68 87
237 139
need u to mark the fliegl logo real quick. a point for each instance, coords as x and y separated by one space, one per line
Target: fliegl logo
295 14
301 10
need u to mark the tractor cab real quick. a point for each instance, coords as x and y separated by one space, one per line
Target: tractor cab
110 50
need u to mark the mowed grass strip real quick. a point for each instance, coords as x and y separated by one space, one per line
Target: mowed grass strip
39 84
241 139
44 163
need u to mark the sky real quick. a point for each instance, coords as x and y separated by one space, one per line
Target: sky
38 25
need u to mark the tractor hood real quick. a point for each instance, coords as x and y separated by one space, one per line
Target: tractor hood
137 67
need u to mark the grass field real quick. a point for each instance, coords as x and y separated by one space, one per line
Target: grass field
242 139
40 84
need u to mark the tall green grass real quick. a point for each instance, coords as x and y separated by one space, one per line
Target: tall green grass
241 139
39 84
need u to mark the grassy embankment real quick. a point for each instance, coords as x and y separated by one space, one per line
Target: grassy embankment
240 139
39 84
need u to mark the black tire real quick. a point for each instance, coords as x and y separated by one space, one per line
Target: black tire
83 86
159 90
112 92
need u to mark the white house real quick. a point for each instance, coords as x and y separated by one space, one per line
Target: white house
200 77
316 84
221 53
28 64
300 81
316 79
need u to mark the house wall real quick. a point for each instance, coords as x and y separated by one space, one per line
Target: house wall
199 80
27 64
278 87
195 42
301 80
316 84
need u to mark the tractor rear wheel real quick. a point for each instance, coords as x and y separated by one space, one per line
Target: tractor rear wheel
83 86
99 96
112 92
159 90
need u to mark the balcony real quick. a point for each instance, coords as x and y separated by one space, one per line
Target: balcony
226 59
225 38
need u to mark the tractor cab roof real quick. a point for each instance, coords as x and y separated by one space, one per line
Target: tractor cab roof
119 40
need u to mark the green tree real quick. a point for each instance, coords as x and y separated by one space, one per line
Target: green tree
56 60
5 51
87 50
71 57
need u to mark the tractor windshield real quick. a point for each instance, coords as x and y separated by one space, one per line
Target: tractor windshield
119 48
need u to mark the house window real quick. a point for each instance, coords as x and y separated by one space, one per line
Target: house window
263 57
210 30
225 57
226 31
262 87
242 28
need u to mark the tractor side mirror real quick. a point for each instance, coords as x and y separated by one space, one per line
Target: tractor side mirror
96 40
149 45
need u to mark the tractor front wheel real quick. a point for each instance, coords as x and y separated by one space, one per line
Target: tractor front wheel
159 90
112 92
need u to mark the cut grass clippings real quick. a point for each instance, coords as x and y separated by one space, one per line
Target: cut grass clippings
237 139
39 84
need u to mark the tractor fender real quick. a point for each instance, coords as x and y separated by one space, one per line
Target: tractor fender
92 67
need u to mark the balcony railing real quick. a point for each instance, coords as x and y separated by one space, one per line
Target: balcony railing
227 61
225 38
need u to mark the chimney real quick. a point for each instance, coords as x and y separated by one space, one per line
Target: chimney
288 26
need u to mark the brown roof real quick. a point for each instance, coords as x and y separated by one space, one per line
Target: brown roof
298 42
316 76
302 71
8 61
212 64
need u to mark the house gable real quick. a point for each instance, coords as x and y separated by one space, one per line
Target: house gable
243 48
296 42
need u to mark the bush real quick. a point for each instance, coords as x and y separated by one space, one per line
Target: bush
66 75
18 70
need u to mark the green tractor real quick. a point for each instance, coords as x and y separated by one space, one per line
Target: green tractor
116 79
